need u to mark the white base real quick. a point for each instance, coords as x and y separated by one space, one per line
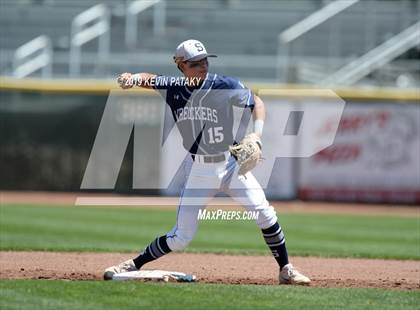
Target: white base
155 275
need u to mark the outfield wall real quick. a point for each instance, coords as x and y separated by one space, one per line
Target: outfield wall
49 127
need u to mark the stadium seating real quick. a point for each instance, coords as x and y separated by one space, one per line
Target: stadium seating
229 28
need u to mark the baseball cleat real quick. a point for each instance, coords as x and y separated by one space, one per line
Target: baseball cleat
289 275
120 268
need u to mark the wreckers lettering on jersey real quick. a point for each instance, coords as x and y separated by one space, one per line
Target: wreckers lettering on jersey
196 113
165 81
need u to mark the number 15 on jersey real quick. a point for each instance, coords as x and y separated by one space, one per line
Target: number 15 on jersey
215 135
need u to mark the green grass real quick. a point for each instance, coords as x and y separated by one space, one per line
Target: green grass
24 227
39 294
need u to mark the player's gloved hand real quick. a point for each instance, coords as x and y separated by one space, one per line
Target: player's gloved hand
125 80
247 153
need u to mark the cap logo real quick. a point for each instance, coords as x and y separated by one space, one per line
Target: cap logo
199 47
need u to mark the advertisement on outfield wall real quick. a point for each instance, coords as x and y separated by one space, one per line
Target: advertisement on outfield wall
375 157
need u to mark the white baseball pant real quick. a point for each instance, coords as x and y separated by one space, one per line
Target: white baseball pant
204 181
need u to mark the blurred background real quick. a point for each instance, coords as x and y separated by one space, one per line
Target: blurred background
59 60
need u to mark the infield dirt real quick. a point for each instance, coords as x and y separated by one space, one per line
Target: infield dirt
212 268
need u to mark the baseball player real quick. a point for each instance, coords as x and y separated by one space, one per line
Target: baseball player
200 105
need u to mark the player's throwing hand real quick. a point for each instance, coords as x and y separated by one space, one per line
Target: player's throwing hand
125 80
